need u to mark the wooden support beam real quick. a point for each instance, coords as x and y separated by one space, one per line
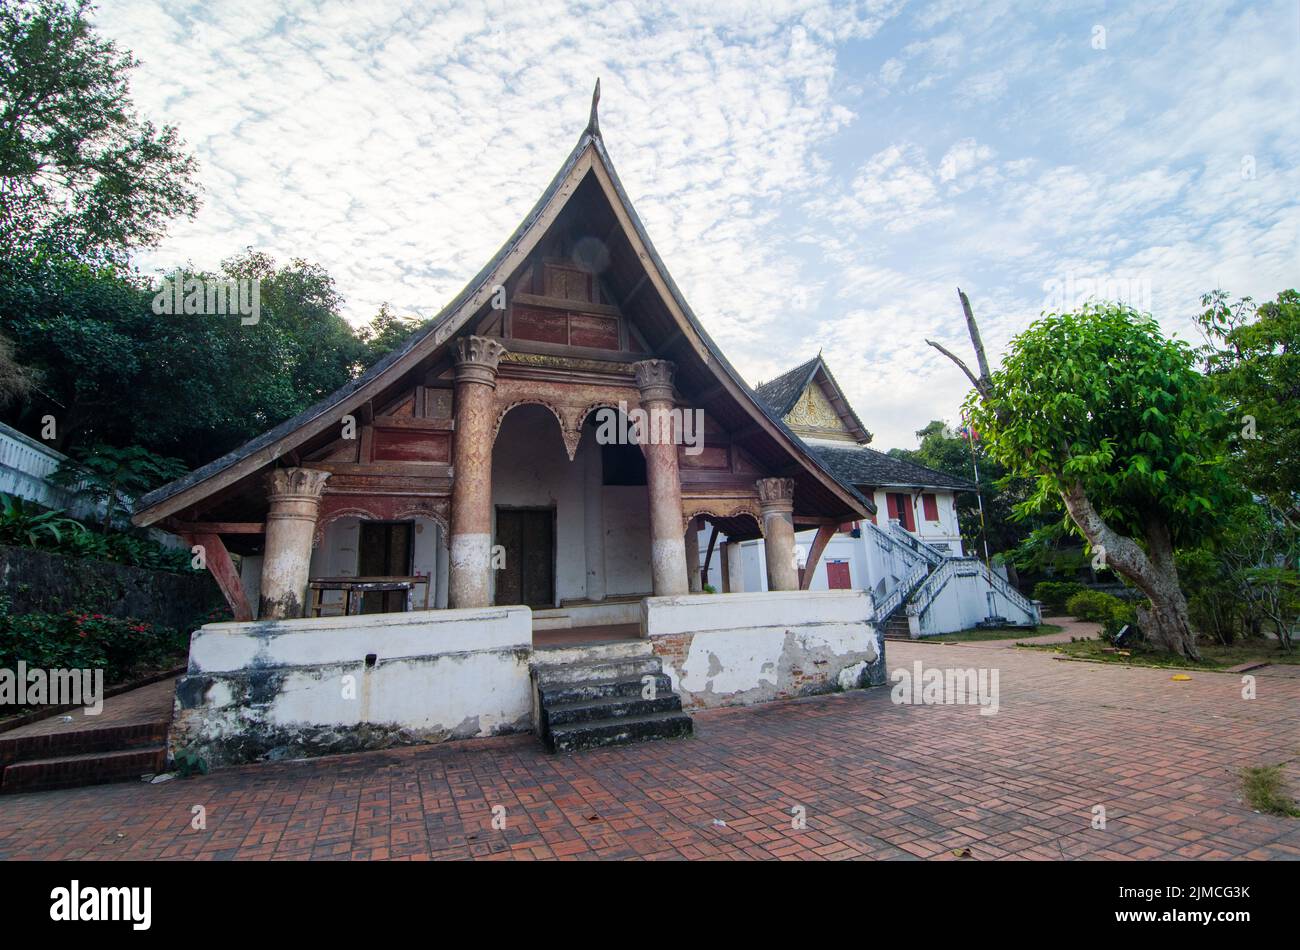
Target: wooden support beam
704 571
824 535
220 527
223 572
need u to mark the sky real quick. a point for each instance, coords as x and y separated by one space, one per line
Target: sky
815 176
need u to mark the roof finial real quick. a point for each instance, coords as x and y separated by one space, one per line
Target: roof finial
593 126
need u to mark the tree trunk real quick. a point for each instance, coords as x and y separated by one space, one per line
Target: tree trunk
1153 572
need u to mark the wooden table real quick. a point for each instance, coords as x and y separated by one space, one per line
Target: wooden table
354 591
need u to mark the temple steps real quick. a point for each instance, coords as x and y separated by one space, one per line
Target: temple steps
604 694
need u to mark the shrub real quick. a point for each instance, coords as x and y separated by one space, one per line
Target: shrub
27 524
1093 605
122 648
1123 614
1054 594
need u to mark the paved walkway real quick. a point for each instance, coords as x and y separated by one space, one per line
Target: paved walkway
872 778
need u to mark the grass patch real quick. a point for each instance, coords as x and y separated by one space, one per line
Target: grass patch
1265 790
1214 656
994 633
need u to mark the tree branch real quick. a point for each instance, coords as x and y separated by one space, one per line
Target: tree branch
980 386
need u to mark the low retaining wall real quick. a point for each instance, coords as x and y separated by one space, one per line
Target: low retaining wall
291 688
51 583
735 649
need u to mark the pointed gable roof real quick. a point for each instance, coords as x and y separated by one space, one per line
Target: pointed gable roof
588 165
857 465
782 394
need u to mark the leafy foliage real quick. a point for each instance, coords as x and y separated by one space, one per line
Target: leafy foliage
1054 594
1252 355
184 386
26 524
79 170
113 477
1101 399
123 648
1094 605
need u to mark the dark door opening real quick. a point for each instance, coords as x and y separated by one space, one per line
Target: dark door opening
527 536
384 550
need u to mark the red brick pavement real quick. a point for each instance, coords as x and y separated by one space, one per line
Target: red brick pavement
877 780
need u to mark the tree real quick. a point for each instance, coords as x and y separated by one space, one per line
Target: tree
386 332
189 386
114 477
79 170
1109 416
1252 355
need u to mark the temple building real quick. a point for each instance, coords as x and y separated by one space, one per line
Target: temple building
908 553
454 544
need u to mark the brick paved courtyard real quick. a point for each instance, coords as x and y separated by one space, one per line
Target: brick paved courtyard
877 780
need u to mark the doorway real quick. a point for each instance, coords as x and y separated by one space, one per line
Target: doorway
527 537
384 550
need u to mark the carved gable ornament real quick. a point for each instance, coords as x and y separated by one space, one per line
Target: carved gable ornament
815 411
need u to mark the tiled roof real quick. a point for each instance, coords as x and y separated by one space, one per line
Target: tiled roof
864 467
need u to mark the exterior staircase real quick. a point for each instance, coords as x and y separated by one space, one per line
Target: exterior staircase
604 694
126 740
111 753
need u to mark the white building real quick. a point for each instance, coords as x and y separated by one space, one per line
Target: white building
909 556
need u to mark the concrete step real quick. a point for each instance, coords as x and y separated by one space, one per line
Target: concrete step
551 620
592 735
91 768
576 654
630 668
558 693
618 707
27 746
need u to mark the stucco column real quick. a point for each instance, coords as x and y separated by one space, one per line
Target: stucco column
667 545
735 567
469 573
294 496
693 579
776 501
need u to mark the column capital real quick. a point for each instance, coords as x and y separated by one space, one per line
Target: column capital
477 358
775 494
655 379
295 483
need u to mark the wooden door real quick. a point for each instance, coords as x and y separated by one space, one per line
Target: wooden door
528 537
837 575
384 550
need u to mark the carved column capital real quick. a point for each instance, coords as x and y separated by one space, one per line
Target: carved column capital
655 379
295 484
477 358
775 494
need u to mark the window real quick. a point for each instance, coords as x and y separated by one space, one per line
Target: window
900 509
931 506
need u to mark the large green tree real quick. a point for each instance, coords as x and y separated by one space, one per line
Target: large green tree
1113 419
1252 355
79 169
189 386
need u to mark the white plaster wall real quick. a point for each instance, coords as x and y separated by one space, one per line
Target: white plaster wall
627 540
728 649
304 686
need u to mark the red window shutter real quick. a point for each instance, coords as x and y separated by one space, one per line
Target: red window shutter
931 505
891 502
837 575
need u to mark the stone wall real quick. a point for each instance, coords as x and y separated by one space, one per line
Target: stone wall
40 581
735 649
292 688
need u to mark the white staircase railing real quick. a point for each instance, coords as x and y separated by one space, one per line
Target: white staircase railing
901 591
913 543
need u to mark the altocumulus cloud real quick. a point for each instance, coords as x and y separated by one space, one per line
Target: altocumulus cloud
814 174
